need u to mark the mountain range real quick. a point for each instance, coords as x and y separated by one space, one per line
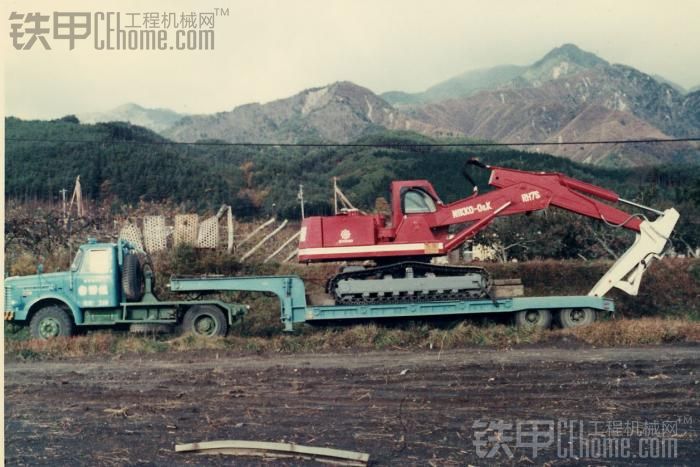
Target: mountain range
568 95
155 119
340 112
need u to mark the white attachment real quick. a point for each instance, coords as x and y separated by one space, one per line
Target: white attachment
626 273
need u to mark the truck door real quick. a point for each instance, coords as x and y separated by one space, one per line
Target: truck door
94 280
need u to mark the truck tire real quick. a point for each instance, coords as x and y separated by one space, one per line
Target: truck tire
49 322
534 319
205 320
132 278
575 317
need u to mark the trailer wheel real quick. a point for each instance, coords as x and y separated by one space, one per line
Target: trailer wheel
534 319
132 278
205 320
575 317
49 322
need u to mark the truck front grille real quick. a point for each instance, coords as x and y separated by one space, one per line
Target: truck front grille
7 299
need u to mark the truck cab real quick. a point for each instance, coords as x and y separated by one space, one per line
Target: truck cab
91 282
105 286
95 274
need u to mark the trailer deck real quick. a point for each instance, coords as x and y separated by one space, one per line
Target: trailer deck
294 308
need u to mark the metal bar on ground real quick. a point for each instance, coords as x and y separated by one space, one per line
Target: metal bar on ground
258 229
229 227
261 242
278 250
221 211
291 255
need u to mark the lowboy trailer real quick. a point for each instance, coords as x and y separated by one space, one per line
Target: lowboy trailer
534 311
108 287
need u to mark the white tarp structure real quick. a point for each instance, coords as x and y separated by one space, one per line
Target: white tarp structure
208 233
186 228
132 234
155 234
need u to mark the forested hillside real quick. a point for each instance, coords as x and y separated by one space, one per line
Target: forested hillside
124 164
113 159
132 163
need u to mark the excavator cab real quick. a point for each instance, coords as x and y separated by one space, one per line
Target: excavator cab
412 197
416 201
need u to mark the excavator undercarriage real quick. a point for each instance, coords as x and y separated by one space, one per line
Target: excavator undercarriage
408 281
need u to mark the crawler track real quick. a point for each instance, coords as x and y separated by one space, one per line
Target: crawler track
402 288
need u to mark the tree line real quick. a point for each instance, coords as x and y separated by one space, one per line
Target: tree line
125 164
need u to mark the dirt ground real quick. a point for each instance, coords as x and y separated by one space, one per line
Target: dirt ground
405 408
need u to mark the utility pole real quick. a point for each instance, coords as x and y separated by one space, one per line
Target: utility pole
77 198
300 197
335 195
63 199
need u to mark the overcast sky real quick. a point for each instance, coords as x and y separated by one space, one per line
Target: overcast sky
266 50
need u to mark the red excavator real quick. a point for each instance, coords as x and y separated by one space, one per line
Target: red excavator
423 227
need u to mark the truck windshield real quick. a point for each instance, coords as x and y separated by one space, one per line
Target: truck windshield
76 261
97 262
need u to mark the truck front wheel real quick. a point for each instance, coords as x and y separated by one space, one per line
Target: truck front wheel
49 322
205 320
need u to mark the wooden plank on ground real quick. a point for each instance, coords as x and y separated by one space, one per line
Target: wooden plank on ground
277 450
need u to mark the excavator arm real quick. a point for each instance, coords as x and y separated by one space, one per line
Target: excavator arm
521 192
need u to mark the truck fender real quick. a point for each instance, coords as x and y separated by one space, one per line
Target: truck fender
76 311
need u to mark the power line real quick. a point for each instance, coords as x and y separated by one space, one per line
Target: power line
367 145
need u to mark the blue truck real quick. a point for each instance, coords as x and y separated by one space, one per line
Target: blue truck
107 286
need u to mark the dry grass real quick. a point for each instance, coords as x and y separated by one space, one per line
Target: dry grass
624 332
95 343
